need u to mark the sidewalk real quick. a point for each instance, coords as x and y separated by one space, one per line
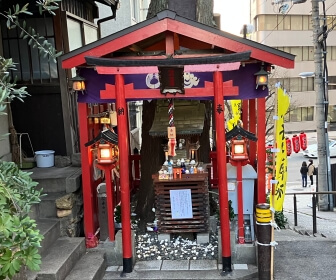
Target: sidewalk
299 256
325 220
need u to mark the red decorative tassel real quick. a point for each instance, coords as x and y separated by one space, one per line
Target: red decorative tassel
171 147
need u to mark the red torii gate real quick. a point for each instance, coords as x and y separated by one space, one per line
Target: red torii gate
176 31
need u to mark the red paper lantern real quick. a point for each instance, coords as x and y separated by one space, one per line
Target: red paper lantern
288 146
303 141
296 143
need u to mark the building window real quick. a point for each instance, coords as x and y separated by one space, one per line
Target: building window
297 51
331 20
307 53
267 22
300 114
31 66
294 84
331 55
76 38
307 84
296 22
332 113
332 82
135 10
305 23
284 22
80 33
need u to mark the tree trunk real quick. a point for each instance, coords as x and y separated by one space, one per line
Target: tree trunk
204 139
155 7
152 155
204 12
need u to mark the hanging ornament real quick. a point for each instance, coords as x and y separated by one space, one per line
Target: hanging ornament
171 130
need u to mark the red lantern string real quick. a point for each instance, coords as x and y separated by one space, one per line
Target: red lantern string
303 141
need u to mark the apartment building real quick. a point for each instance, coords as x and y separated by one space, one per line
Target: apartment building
288 27
129 12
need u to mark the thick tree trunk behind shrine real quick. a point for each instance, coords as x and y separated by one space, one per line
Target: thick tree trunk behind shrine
152 156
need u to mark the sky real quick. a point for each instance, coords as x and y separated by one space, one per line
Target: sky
234 14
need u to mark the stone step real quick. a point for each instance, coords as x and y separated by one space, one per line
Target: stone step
50 229
90 267
47 207
55 180
296 234
61 258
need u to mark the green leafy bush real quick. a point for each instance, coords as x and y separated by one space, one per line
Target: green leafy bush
280 219
19 236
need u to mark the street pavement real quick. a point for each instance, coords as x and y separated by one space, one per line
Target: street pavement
300 254
326 221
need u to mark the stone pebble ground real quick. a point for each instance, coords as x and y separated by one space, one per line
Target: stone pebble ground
149 247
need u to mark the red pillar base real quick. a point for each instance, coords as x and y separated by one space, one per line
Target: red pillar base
127 265
226 261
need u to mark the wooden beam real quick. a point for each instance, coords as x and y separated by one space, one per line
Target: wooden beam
154 69
169 61
190 93
169 43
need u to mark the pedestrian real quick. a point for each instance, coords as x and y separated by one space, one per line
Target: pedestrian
311 169
304 172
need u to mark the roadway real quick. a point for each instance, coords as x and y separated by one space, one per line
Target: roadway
326 221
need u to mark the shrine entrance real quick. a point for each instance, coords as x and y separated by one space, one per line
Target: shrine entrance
117 69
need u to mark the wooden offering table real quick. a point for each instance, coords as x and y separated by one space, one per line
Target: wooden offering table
182 204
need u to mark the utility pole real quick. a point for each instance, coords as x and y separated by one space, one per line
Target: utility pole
321 118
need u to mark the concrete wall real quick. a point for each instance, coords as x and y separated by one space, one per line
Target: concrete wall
5 153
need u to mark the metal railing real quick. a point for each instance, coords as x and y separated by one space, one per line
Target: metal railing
314 196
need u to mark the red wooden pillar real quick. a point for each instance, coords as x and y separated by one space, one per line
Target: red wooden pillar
253 129
261 191
222 175
245 114
124 165
87 180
